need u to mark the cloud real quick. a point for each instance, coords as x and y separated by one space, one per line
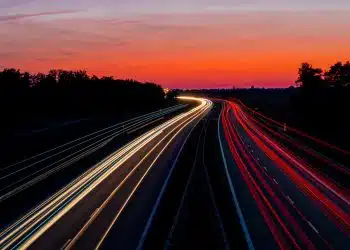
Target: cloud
21 16
12 3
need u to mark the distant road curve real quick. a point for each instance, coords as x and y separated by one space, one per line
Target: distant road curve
84 213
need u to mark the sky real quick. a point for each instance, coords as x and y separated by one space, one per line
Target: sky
178 44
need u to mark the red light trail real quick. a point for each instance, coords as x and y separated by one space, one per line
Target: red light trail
261 155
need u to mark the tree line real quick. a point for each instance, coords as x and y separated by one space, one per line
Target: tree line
26 96
323 99
313 79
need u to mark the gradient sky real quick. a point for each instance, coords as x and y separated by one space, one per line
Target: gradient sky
182 43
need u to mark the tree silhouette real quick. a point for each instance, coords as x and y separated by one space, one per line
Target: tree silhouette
338 74
310 78
71 93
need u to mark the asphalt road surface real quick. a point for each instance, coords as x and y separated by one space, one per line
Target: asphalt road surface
197 211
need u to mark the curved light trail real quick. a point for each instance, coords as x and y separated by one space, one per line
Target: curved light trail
26 173
300 206
26 230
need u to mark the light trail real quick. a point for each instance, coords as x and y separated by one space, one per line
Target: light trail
161 193
75 193
253 150
118 125
299 179
30 227
296 130
180 127
83 146
293 159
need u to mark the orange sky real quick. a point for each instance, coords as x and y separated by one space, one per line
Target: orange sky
197 50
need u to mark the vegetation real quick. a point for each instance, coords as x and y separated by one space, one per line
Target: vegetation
26 96
310 78
324 97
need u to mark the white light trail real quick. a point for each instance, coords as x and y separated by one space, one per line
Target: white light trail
30 227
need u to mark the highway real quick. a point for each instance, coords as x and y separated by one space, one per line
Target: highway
108 203
284 195
218 175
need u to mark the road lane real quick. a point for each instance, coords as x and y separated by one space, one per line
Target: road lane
284 203
197 223
195 210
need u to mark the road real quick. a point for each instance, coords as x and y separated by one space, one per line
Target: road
116 195
217 176
283 201
196 211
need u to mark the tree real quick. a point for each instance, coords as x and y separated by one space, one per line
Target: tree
94 78
10 80
338 74
310 78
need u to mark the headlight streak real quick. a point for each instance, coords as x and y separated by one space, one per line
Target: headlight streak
2 233
97 212
31 226
94 133
71 158
93 178
208 104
